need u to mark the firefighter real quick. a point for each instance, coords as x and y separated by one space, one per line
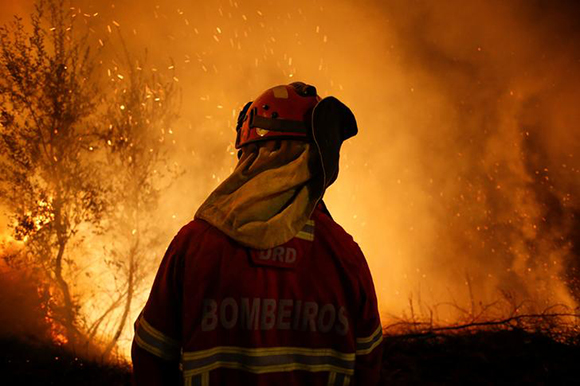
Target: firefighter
263 287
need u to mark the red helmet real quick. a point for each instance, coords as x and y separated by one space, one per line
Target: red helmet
294 111
282 112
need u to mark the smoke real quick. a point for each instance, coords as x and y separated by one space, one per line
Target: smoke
463 183
490 187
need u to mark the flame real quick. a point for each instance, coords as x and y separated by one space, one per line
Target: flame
462 186
44 214
56 331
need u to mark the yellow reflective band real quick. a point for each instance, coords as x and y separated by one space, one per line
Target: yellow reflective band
371 348
368 344
156 333
305 236
267 360
198 380
280 92
154 341
336 379
332 379
268 369
307 233
258 352
373 335
153 350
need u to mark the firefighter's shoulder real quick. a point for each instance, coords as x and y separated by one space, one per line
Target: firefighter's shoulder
197 230
338 239
193 228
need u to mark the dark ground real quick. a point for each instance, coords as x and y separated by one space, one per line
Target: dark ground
504 357
41 364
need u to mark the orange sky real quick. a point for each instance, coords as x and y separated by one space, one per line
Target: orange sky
465 173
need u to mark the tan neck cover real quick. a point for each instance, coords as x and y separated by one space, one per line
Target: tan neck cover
266 201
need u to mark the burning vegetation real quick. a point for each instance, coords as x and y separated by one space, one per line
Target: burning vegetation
462 188
83 162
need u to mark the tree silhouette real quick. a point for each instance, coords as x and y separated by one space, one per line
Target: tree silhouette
139 118
48 181
80 157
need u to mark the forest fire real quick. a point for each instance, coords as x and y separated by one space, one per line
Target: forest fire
462 189
56 332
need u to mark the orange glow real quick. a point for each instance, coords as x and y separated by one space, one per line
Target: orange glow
461 188
55 331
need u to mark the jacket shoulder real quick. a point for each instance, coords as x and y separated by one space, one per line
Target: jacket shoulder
193 228
197 229
338 239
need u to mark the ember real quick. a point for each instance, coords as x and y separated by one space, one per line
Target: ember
462 188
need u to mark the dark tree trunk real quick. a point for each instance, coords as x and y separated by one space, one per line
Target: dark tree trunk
128 300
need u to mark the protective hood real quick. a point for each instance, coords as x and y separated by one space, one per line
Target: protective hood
332 124
272 192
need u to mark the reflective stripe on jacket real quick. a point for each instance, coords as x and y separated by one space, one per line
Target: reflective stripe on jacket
301 313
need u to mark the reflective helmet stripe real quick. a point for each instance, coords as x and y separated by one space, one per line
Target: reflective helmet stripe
282 125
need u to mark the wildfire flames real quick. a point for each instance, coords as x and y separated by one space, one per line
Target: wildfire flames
462 188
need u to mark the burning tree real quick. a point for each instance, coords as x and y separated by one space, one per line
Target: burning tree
139 117
49 182
80 158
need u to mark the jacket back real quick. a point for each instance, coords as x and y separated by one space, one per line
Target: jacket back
301 313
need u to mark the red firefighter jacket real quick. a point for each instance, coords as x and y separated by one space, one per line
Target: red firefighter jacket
303 313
